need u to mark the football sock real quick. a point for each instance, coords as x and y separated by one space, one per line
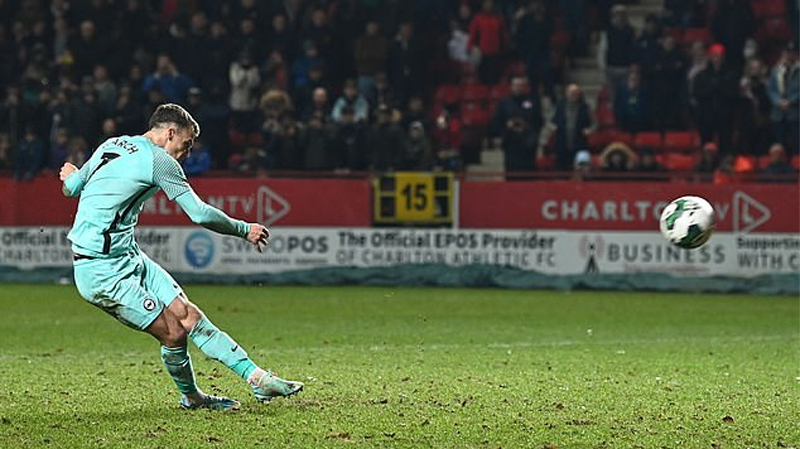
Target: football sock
179 366
220 346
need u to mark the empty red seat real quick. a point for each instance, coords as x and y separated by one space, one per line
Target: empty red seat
775 29
795 161
447 94
597 140
605 118
697 34
679 161
682 141
763 161
472 114
769 8
648 139
546 162
744 164
474 92
499 92
615 135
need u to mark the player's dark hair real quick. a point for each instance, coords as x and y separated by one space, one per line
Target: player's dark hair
173 113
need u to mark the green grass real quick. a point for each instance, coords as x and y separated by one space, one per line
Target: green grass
412 367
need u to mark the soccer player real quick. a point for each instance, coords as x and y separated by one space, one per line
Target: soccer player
112 273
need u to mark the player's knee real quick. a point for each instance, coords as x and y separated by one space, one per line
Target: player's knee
193 315
174 337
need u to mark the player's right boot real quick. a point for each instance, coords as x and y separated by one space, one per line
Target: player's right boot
211 402
271 386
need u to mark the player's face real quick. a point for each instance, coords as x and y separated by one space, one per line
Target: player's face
179 142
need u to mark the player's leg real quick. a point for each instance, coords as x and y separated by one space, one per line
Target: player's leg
219 346
215 343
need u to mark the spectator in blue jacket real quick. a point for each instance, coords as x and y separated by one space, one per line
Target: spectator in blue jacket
784 95
172 83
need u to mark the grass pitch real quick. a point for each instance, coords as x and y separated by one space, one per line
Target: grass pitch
406 367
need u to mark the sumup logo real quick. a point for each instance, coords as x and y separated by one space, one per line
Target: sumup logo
199 249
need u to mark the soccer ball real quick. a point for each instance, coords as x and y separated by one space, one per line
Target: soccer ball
687 222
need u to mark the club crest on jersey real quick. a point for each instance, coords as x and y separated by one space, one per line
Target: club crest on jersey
149 304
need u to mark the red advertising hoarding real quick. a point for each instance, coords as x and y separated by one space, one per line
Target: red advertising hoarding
482 205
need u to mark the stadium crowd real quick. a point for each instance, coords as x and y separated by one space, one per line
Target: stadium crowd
356 85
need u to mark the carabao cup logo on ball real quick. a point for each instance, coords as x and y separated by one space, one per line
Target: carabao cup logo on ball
199 249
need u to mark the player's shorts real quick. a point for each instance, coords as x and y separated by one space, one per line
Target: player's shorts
132 287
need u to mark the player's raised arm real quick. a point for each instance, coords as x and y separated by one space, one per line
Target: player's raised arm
73 178
211 218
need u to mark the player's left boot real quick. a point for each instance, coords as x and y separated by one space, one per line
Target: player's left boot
271 386
211 402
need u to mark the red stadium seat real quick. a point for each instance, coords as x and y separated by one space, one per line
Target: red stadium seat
447 94
615 135
769 8
697 34
499 92
546 162
763 161
472 114
605 118
649 139
745 164
597 140
560 40
474 92
680 161
774 29
681 141
795 161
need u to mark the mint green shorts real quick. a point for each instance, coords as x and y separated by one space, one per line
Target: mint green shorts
132 287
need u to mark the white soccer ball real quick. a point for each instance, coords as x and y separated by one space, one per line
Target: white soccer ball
687 221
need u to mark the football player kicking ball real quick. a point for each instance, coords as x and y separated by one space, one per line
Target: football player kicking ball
112 273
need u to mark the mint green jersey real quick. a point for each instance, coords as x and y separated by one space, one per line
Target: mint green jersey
113 184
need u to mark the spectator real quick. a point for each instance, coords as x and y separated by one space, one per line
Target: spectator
669 85
615 51
370 52
347 147
521 103
752 112
725 172
489 35
648 162
582 166
59 148
5 152
353 98
213 112
784 94
732 24
84 113
572 123
715 92
303 65
520 142
416 154
128 111
632 105
416 112
108 129
698 62
617 158
217 58
384 141
286 145
532 40
199 159
12 114
778 162
574 15
447 141
282 38
87 49
319 32
274 72
316 142
708 159
245 81
172 83
382 93
647 48
105 88
405 64
78 151
320 104
30 156
458 43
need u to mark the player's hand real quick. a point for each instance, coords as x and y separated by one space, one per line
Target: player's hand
66 170
258 235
